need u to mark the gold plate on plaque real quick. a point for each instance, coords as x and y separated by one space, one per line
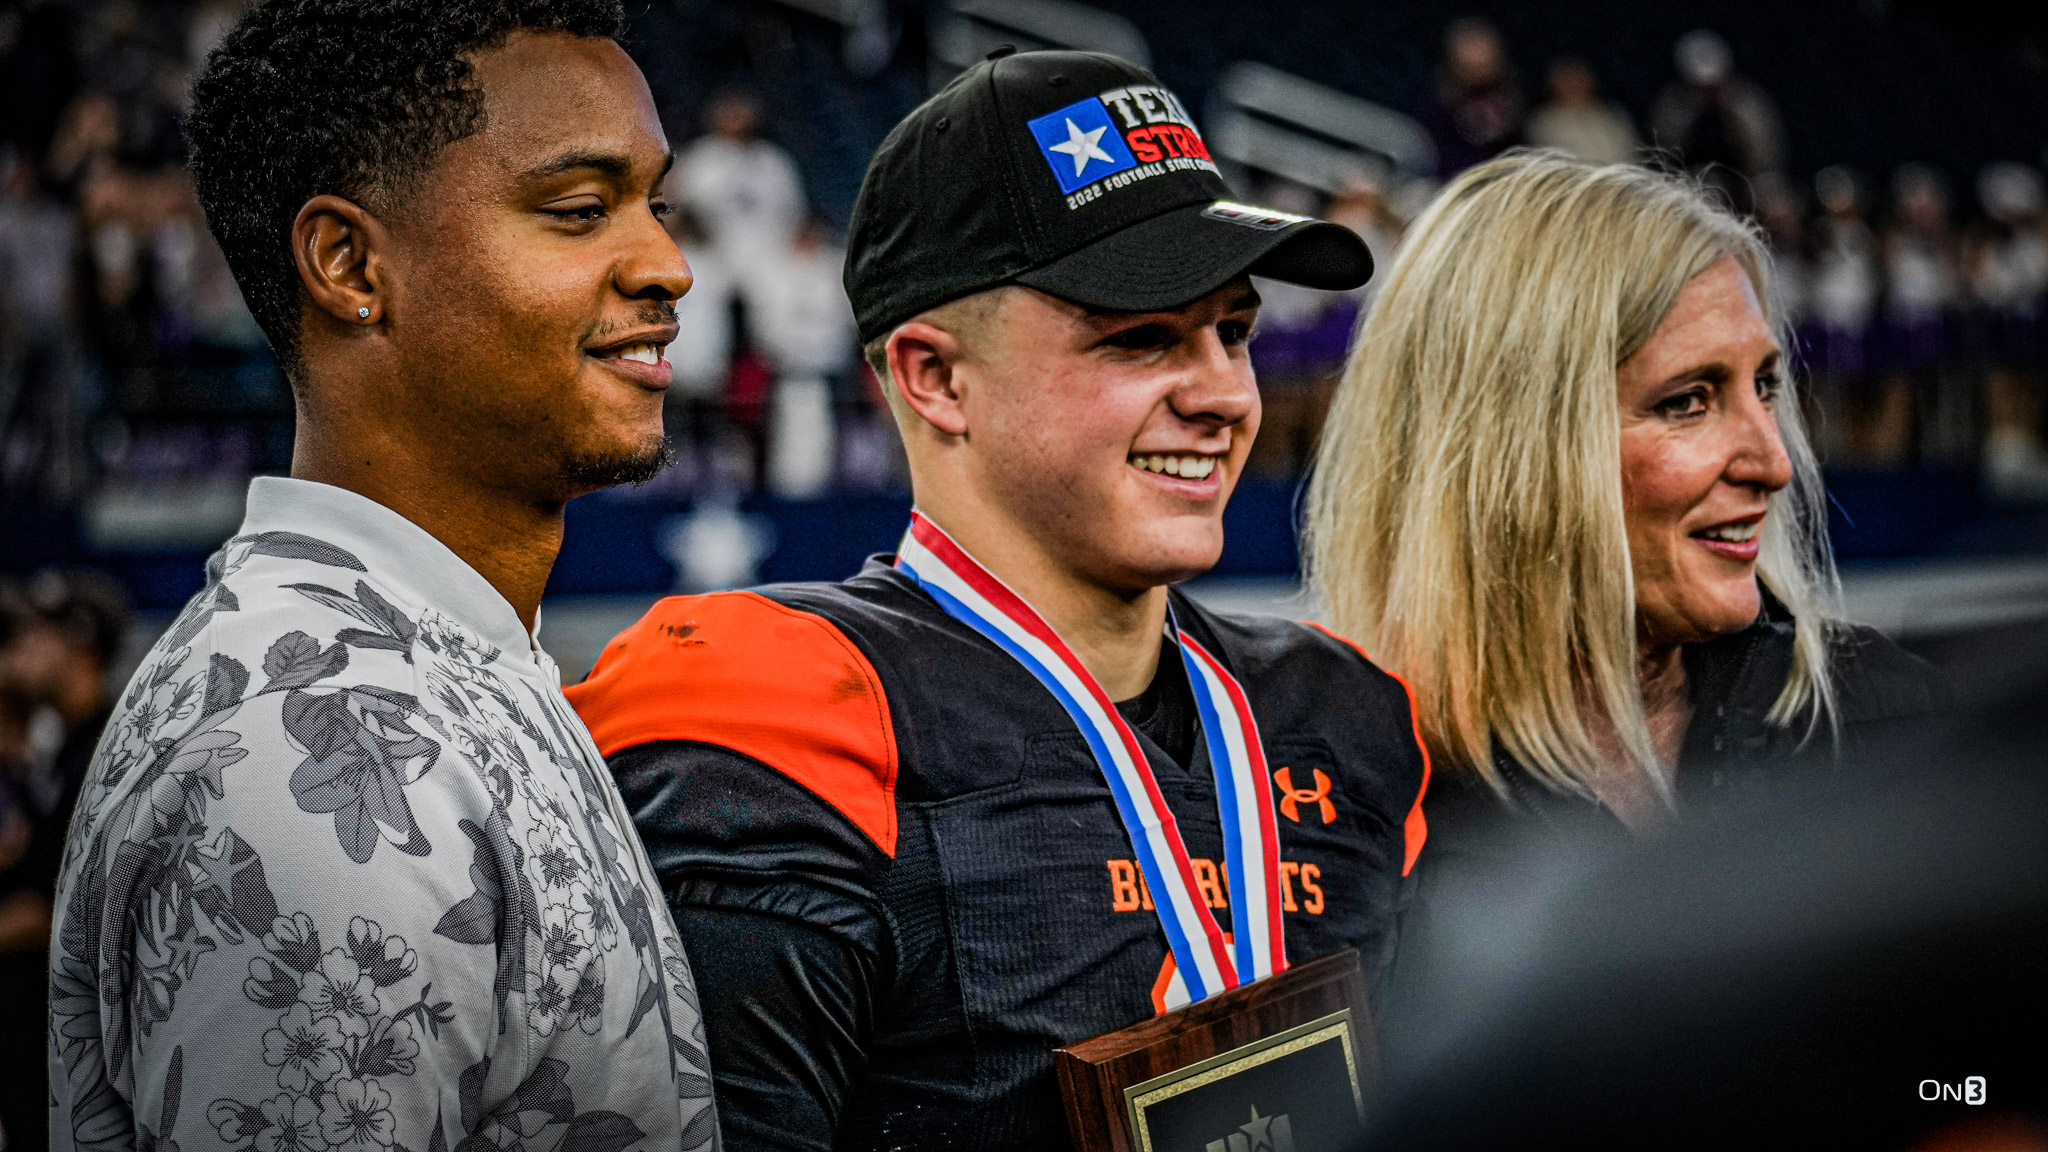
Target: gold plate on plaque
1294 1072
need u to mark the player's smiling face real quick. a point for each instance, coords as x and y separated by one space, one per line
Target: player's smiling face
1116 437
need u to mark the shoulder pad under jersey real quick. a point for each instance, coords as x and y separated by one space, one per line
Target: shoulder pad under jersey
740 671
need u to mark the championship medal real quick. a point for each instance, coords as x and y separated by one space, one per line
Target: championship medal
1260 1058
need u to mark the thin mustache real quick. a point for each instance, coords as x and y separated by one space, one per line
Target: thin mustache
660 312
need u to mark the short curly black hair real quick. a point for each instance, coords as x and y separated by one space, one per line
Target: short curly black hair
351 98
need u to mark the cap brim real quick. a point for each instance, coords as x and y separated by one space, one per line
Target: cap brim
1181 256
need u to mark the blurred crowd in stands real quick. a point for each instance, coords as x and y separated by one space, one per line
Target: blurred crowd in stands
135 386
1917 312
61 635
769 390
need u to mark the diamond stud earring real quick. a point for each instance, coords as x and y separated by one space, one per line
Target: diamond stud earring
363 313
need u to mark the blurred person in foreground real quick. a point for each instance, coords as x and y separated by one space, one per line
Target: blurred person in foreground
1805 965
60 633
1565 492
911 824
346 871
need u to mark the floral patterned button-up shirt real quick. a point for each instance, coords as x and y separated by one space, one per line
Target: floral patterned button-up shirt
348 874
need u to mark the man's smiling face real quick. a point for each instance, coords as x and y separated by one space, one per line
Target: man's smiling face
1116 438
532 286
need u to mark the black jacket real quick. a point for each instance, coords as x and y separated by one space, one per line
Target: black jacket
1482 850
899 874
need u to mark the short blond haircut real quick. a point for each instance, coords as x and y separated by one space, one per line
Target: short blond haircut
1466 517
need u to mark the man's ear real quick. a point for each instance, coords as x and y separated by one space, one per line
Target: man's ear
337 247
923 366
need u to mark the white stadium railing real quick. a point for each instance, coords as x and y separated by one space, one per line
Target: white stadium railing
971 29
1279 123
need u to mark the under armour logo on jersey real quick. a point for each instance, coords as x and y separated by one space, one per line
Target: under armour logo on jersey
1292 799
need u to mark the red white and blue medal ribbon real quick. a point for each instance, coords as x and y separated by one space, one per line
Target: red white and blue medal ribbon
1251 840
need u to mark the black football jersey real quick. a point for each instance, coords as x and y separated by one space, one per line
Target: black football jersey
900 876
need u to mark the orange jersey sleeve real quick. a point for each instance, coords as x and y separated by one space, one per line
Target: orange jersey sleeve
740 671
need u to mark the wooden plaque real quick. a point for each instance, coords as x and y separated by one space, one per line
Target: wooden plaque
1280 1065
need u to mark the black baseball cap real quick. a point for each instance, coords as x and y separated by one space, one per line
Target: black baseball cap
1074 173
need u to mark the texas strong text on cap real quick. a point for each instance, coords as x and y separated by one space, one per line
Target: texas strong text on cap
1073 173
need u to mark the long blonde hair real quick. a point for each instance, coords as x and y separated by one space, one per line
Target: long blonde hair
1465 519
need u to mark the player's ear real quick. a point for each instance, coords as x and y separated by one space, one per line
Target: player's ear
923 366
337 247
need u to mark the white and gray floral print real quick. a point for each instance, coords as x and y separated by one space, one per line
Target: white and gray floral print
348 876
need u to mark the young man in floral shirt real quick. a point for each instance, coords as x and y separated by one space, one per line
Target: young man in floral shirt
347 871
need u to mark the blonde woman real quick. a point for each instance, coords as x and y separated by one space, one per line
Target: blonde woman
1564 492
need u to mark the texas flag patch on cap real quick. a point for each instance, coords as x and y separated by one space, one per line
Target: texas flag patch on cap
1117 138
1081 144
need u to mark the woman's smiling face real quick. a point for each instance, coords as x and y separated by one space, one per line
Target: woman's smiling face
1700 456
